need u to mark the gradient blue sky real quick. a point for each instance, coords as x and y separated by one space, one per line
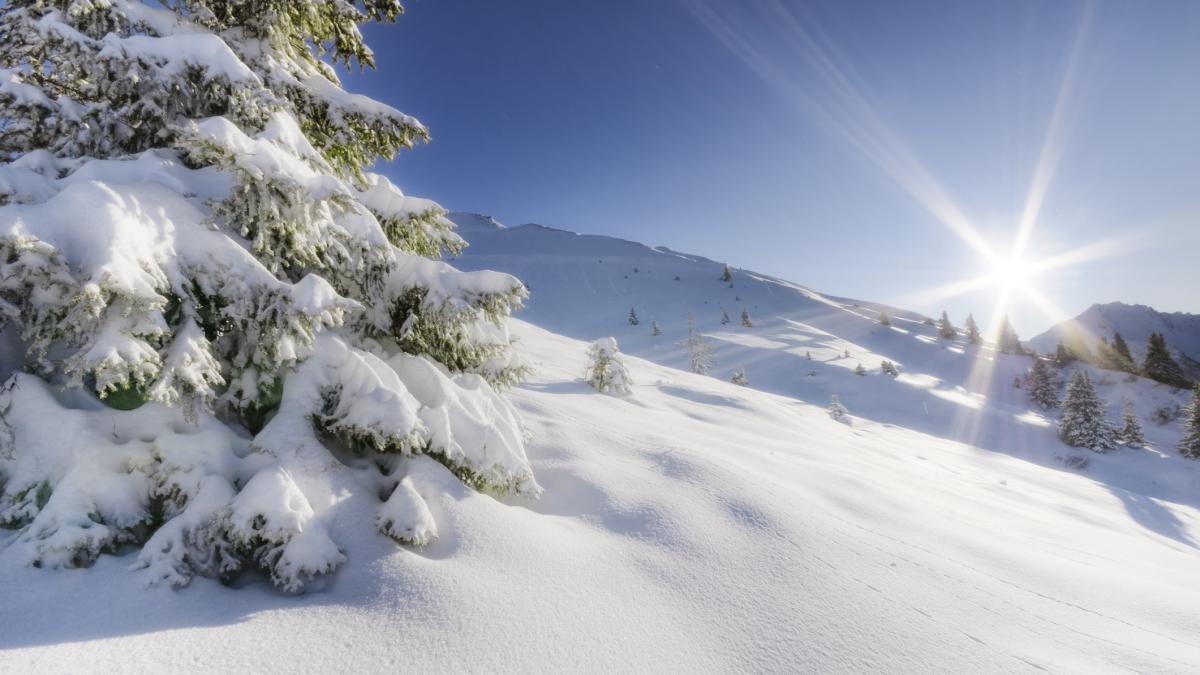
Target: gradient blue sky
784 138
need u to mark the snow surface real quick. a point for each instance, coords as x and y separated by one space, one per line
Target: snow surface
697 525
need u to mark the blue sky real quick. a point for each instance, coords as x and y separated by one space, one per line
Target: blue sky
821 142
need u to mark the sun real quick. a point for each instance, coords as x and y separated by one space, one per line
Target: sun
1012 273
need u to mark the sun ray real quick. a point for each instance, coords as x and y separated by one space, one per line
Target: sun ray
839 106
945 291
1098 250
1054 141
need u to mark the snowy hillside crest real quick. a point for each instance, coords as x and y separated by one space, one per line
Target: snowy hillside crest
214 301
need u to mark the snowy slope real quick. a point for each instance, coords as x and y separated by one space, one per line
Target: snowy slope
703 526
1134 323
583 286
694 526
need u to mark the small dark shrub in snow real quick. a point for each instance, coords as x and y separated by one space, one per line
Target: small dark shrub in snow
1075 462
1165 414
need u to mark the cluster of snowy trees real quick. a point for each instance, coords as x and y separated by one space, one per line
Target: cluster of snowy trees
949 332
1084 420
191 234
1158 364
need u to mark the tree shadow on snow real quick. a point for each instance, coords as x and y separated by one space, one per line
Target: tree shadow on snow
1153 516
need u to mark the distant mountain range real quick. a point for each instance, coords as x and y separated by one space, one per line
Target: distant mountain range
1134 323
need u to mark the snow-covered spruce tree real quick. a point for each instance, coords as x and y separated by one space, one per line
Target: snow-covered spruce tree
945 328
1043 389
888 368
606 370
1130 434
1189 445
1063 356
972 330
654 329
1160 365
746 322
727 275
1007 340
883 318
191 236
739 378
837 411
1083 423
1122 349
699 352
633 318
860 371
724 318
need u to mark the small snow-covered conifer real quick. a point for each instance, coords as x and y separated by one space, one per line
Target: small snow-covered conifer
1160 365
883 318
945 328
699 352
1122 349
727 275
606 370
633 318
1062 356
1130 433
724 317
1083 422
190 233
973 336
1007 340
1189 445
808 355
1043 390
654 329
889 368
739 378
859 370
838 411
746 319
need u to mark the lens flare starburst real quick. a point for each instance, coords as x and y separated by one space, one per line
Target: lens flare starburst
785 48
